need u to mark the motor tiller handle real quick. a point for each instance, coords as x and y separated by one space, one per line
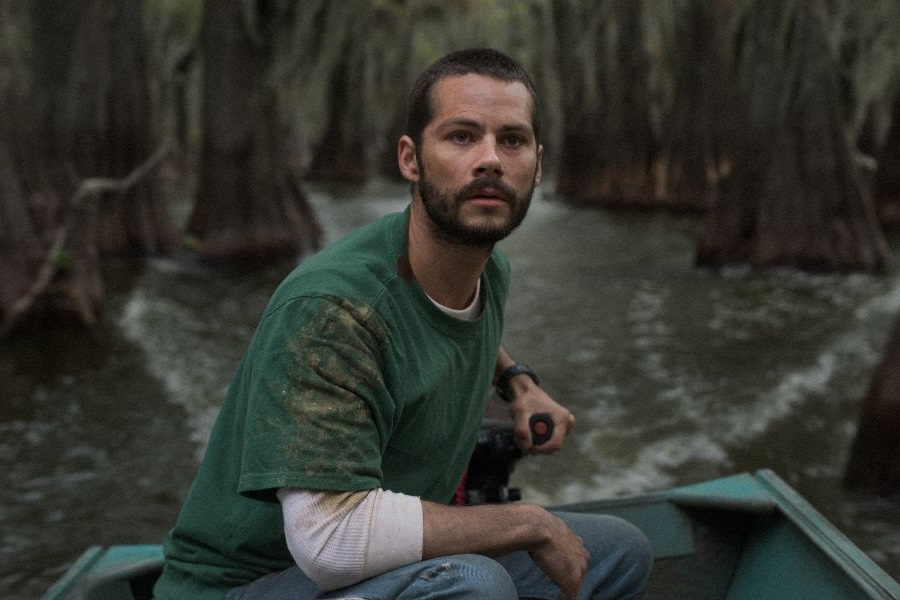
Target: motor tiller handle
541 426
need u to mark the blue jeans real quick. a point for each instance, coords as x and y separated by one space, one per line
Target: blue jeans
619 567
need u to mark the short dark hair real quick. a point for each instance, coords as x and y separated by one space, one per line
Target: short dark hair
480 61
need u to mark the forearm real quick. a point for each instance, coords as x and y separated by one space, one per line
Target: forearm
518 385
497 529
504 361
488 529
526 398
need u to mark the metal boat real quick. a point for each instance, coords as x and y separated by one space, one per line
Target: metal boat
742 537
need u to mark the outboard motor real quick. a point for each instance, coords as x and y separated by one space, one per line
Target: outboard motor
493 460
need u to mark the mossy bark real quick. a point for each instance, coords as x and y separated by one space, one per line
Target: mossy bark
93 110
607 143
341 153
249 204
33 215
794 197
693 156
886 184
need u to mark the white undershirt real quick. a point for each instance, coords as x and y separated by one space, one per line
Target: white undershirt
469 313
340 538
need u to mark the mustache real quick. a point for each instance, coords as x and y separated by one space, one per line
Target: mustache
482 183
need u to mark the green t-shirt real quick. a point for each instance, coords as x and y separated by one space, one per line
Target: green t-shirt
354 380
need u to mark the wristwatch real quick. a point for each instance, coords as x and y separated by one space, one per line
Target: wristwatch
502 384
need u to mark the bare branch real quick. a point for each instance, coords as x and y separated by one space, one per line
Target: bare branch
87 189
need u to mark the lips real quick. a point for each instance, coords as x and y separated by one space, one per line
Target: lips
487 194
492 192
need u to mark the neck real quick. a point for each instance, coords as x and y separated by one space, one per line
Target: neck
448 271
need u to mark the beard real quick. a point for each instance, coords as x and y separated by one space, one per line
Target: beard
444 207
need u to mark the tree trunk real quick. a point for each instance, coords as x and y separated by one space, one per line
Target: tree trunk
875 456
693 156
88 117
607 141
35 183
32 216
94 111
886 185
794 197
248 203
341 153
136 222
21 247
576 139
386 159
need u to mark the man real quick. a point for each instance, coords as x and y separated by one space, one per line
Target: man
351 418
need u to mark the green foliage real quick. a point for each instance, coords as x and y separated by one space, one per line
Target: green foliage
662 38
381 45
63 261
191 242
15 44
172 28
864 44
377 47
866 41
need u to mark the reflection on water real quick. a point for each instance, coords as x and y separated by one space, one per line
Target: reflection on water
676 375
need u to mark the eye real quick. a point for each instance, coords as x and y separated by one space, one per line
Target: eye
460 137
513 141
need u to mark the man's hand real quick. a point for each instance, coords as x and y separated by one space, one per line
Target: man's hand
563 558
497 529
528 400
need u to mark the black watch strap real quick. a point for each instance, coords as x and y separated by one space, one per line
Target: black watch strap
516 369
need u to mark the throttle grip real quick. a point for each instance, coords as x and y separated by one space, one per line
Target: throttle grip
541 426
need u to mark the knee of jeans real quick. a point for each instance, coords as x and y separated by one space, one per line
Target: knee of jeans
479 577
635 552
639 553
612 537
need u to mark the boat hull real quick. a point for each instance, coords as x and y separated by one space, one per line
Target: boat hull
737 538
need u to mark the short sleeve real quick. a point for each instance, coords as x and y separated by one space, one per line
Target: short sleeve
317 403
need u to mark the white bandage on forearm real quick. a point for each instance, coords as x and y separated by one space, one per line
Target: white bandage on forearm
340 538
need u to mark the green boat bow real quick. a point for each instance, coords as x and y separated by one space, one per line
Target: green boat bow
743 537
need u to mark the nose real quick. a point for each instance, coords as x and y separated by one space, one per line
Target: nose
488 162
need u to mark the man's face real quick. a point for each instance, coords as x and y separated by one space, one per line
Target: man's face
478 159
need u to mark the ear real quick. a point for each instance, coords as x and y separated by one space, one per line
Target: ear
406 158
539 169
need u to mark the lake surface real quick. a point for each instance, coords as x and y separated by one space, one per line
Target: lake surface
676 375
